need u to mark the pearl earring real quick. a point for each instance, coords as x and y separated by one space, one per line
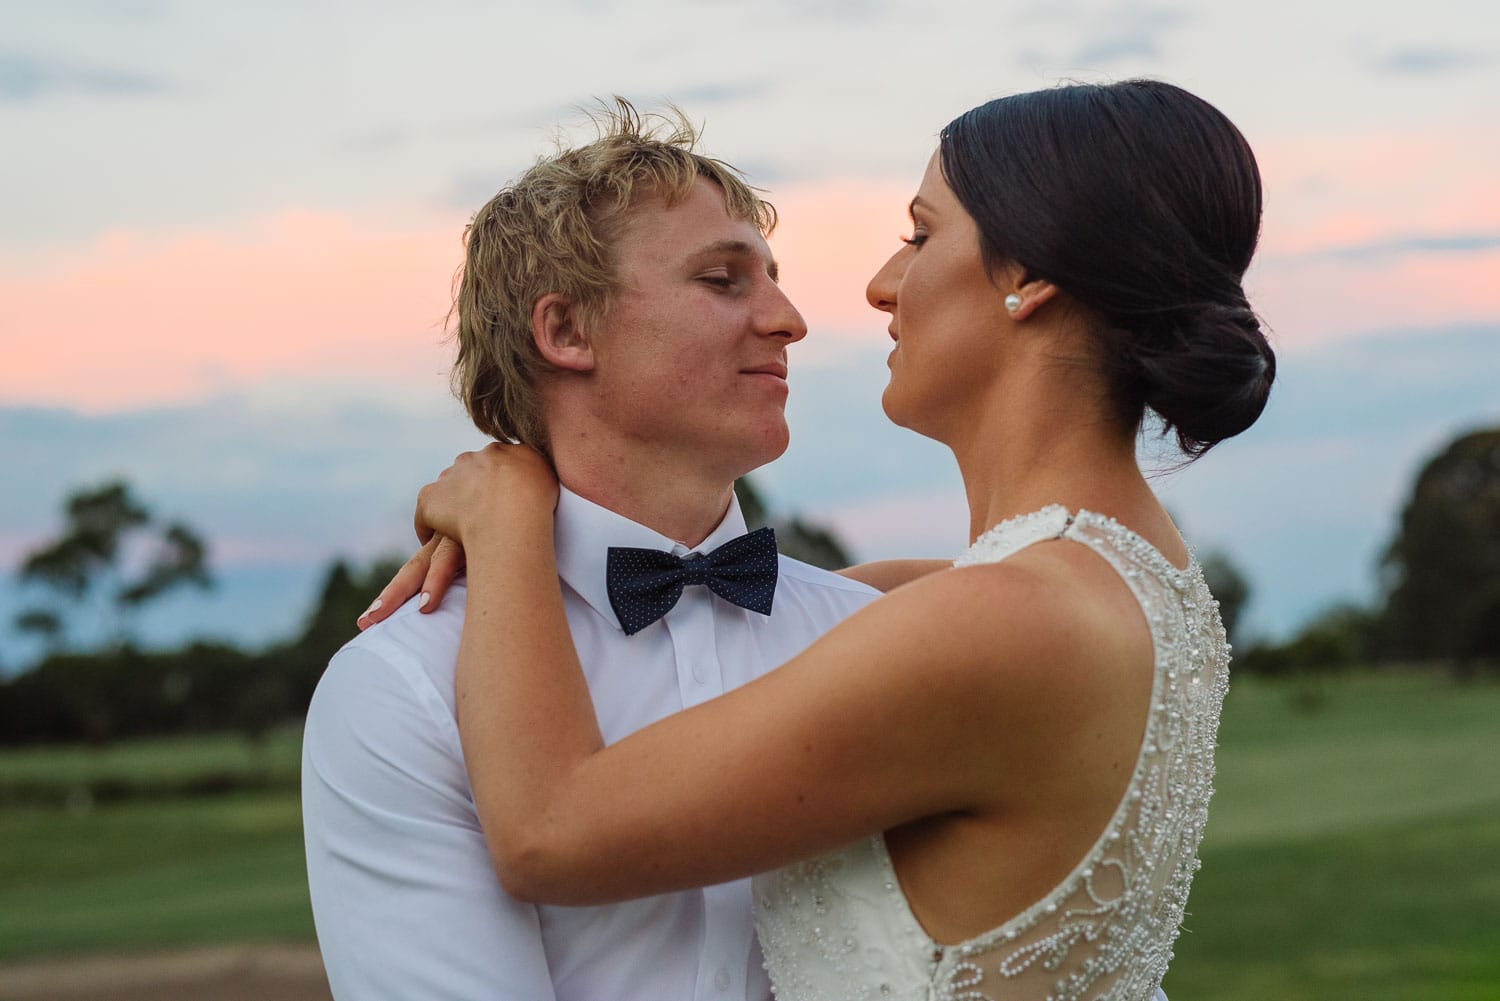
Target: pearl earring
1012 302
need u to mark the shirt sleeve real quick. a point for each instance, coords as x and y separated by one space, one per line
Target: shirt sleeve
404 899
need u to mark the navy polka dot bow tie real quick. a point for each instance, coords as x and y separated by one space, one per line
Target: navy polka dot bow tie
644 584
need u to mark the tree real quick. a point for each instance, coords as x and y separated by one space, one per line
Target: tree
1229 586
87 559
300 663
97 520
799 539
1443 568
44 624
1338 638
751 504
179 557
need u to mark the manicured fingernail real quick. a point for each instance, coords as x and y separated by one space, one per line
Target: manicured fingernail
423 600
374 605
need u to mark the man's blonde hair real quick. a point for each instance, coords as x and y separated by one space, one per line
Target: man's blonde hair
554 230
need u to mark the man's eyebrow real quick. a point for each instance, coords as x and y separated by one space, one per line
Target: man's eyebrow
738 248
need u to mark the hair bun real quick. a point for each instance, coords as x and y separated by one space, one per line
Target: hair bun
1207 373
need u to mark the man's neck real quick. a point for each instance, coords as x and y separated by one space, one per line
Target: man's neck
684 507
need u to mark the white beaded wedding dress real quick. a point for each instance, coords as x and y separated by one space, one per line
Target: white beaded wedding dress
838 928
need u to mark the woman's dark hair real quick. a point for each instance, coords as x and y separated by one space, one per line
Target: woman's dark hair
1142 203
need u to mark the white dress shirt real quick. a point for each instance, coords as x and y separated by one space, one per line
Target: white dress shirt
404 898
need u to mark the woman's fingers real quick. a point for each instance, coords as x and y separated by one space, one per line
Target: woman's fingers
407 582
447 563
421 516
474 490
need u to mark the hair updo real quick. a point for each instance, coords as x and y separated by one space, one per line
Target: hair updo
1142 202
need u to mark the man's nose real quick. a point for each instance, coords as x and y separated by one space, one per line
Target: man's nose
782 318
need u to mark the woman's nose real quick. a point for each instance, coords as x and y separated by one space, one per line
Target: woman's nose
881 291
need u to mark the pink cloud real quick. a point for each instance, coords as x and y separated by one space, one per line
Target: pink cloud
1331 196
130 320
1325 195
915 524
1317 299
1335 190
832 238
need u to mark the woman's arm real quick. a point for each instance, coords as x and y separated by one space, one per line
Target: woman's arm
919 705
883 721
433 567
887 575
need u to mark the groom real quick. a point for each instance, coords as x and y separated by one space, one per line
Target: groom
618 311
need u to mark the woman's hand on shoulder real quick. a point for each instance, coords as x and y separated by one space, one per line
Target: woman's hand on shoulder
430 572
499 485
492 488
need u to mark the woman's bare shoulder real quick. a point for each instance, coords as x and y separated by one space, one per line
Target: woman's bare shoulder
1054 614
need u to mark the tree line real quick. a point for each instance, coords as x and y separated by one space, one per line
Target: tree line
120 690
1440 580
1440 602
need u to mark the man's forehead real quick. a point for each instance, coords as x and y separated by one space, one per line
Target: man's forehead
697 225
700 206
690 238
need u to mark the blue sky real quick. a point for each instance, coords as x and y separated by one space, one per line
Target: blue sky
226 235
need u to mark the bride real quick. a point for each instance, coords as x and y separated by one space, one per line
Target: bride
993 781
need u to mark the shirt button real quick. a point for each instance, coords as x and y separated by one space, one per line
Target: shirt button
721 979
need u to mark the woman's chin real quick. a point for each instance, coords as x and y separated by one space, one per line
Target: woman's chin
902 413
891 403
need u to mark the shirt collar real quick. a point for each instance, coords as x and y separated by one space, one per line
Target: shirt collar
584 532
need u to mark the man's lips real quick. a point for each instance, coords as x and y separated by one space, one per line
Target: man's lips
778 370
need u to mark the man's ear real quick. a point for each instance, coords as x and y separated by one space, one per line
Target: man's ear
557 331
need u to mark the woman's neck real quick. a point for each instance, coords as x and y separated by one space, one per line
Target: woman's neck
1007 475
1044 434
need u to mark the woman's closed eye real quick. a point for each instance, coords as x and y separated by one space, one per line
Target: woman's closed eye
917 238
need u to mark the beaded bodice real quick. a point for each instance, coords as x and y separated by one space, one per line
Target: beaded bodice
838 928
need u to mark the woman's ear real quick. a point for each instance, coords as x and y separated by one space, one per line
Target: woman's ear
557 330
1033 293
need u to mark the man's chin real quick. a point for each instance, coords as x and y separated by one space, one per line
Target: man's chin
770 445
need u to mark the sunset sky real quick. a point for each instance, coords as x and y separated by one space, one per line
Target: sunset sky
227 233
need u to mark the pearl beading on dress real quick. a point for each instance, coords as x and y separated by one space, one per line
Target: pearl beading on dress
839 928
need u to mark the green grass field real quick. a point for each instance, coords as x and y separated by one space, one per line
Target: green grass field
144 769
1351 851
1352 846
151 870
154 874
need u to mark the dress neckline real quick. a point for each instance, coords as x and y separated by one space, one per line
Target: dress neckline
1055 521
